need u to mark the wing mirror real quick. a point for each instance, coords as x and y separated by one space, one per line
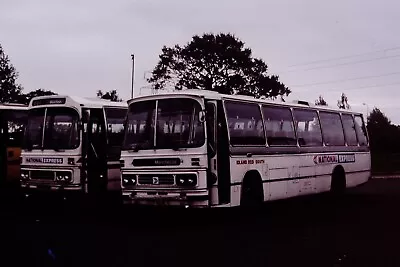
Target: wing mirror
202 116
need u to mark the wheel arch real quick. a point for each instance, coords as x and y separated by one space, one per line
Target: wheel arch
338 178
252 176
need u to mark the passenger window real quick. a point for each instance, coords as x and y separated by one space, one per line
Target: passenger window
332 129
245 124
349 129
16 121
361 130
308 127
279 126
115 118
115 125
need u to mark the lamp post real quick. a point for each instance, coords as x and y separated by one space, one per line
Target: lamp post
365 104
133 74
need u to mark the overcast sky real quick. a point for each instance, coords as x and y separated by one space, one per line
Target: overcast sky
78 47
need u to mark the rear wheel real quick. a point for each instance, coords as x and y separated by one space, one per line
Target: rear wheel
338 182
252 192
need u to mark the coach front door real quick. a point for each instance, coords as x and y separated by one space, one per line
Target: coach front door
218 154
96 152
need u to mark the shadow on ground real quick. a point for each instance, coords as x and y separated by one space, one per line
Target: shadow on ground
361 229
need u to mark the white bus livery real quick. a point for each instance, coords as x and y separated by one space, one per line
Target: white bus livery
200 148
72 144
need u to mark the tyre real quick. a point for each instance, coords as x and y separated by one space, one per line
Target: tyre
252 192
338 182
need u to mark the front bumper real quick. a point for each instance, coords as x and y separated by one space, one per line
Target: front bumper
41 188
167 197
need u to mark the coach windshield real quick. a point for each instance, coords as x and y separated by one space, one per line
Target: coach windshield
52 128
175 125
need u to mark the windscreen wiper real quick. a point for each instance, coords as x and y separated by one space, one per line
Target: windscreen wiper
135 148
177 146
29 146
56 147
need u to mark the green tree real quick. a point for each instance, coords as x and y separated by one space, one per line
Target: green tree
26 98
384 142
217 62
110 95
320 101
382 133
9 89
343 102
378 119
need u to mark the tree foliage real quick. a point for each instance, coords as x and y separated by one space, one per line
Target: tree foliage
110 95
26 98
343 102
384 142
219 63
384 136
9 89
378 119
320 101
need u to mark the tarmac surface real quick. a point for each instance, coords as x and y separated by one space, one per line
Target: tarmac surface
360 229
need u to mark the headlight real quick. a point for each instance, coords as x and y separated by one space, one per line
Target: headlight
68 178
128 179
186 179
64 177
24 175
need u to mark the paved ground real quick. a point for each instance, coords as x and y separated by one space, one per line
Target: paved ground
363 229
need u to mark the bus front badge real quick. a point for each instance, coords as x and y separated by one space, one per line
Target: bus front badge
156 180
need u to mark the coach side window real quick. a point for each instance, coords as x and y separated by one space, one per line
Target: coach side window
308 127
115 118
115 125
349 129
279 126
361 130
245 123
332 129
16 121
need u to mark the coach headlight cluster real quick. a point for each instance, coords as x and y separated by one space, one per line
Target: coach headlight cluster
64 177
24 174
128 179
186 179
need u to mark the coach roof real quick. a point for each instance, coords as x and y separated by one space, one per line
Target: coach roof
83 101
13 106
217 96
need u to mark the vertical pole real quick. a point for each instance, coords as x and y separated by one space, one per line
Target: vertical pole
365 104
133 74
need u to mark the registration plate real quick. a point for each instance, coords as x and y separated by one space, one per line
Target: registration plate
160 201
44 187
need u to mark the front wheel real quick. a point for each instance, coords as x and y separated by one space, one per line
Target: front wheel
252 193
